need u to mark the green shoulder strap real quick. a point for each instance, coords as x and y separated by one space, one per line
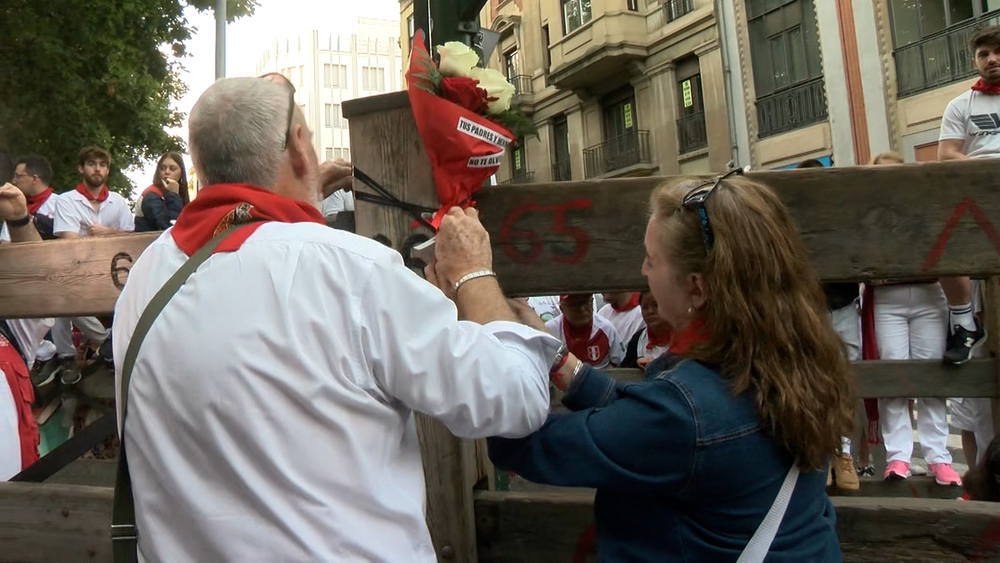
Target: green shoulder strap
123 530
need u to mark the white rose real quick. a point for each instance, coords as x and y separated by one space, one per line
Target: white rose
496 86
457 59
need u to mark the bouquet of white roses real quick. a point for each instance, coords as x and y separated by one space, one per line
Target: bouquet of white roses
464 116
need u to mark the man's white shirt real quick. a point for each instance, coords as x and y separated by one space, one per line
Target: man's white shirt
75 214
269 412
627 323
47 209
974 117
338 201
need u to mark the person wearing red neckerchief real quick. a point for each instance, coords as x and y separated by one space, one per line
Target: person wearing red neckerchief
88 210
970 128
590 337
738 421
623 310
32 175
652 340
271 407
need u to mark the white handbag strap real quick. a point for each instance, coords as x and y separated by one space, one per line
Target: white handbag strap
759 545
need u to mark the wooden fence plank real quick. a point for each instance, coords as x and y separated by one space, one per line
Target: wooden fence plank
935 220
906 378
858 223
66 277
54 523
543 527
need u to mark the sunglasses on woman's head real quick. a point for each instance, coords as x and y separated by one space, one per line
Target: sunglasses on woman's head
283 80
696 198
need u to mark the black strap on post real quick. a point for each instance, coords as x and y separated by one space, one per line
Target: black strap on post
386 198
124 535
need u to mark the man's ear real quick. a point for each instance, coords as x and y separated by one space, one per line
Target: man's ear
298 150
79 169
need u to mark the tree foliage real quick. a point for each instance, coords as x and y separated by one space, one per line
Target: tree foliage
94 72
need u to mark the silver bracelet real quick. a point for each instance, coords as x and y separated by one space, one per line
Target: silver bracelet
474 275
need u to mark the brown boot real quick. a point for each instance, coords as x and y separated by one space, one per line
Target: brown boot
844 473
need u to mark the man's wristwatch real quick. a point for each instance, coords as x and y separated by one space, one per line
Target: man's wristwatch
560 360
22 222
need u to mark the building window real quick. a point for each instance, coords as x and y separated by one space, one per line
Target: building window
518 160
373 79
691 133
787 72
329 154
344 154
624 144
931 40
410 31
560 148
576 13
335 76
675 9
632 5
546 56
511 64
332 116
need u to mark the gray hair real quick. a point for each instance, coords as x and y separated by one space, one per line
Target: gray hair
236 131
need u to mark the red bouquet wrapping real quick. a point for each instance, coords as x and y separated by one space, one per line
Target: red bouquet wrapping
465 146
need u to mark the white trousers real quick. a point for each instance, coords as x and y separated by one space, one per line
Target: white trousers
62 333
847 322
911 323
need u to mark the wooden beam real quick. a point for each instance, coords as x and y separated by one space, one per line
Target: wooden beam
386 146
543 527
66 278
893 222
909 378
858 223
55 523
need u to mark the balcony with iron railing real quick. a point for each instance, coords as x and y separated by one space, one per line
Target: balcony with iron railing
691 132
522 178
619 153
939 59
676 9
800 105
521 83
562 171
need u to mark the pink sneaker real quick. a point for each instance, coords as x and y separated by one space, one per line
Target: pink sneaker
897 470
945 474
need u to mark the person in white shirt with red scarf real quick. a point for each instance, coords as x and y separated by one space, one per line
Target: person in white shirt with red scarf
270 409
590 337
623 310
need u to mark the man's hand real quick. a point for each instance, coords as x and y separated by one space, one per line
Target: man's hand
462 246
336 175
100 230
643 362
12 203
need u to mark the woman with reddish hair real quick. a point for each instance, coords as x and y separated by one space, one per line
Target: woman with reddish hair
741 418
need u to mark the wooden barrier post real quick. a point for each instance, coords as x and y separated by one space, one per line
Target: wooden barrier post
386 146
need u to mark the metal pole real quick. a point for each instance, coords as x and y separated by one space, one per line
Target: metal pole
220 39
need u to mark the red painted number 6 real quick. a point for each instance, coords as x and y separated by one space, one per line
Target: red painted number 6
509 233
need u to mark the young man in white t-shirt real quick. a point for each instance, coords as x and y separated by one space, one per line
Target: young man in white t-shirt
970 128
88 210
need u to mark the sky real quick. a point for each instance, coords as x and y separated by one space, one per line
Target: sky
247 38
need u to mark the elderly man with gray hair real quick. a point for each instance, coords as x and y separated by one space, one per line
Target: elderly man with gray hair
270 398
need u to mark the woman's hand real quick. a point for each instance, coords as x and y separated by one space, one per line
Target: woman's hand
643 362
171 184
